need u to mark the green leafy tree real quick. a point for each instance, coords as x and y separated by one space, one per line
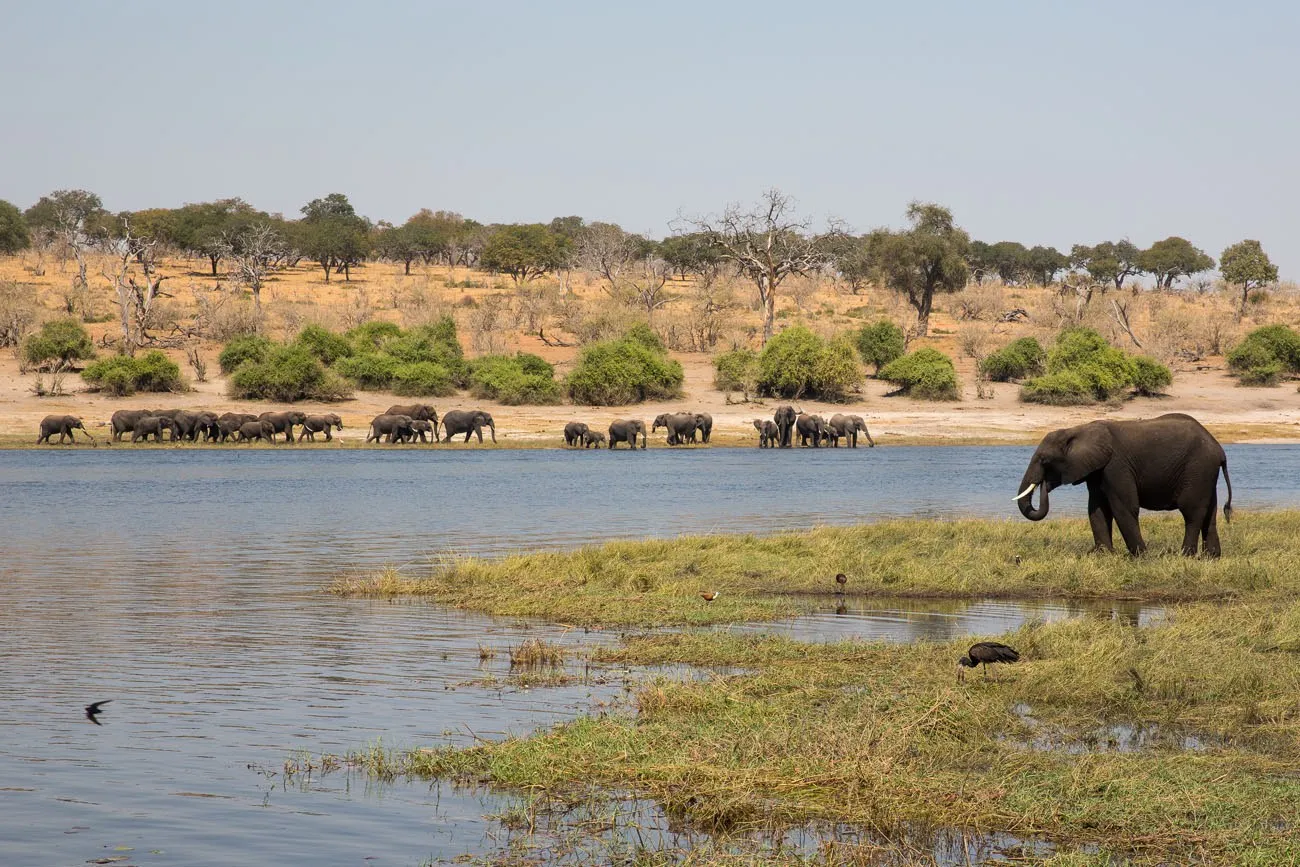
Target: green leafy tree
1247 266
1008 260
1171 259
850 256
1044 263
59 342
430 234
395 244
1108 262
334 234
70 216
979 259
880 343
209 228
14 235
525 251
691 253
926 374
929 257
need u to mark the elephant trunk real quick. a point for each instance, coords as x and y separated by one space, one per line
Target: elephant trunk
1026 499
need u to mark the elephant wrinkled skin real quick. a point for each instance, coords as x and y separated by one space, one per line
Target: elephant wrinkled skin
63 425
627 431
1160 464
468 422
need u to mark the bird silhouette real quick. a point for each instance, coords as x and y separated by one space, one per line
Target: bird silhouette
841 579
1017 560
94 710
708 595
984 653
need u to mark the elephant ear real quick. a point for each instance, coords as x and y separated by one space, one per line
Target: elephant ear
1088 451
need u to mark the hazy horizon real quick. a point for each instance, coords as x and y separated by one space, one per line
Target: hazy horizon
1037 124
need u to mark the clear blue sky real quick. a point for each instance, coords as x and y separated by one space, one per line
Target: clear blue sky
1043 122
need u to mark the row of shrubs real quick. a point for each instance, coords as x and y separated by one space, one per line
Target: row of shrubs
60 343
428 362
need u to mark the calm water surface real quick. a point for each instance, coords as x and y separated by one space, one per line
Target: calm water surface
185 585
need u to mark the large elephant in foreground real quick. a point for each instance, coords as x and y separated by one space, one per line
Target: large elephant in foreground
681 426
468 422
785 418
1161 464
847 426
63 425
626 431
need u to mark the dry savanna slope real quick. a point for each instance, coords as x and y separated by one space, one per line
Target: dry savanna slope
1188 331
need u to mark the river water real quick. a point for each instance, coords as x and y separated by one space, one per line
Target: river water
185 586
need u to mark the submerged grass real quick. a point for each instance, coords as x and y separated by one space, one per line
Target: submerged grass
881 737
658 582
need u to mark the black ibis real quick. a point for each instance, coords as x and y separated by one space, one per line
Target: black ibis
984 653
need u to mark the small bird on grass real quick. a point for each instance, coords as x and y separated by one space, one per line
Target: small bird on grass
1016 559
984 653
708 595
841 579
94 710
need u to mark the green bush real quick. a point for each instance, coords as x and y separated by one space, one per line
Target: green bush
797 363
1064 388
1017 360
1265 355
1083 368
325 345
436 344
122 375
643 334
288 373
880 343
927 374
623 371
515 380
422 379
59 340
370 336
369 370
1150 377
736 370
251 347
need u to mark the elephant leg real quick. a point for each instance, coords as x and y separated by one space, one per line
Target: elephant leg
1101 519
1210 528
1193 522
1127 519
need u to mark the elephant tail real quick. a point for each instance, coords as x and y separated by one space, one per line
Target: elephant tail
1227 507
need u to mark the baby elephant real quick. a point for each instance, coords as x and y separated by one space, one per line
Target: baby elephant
262 429
593 438
63 425
320 424
769 435
152 426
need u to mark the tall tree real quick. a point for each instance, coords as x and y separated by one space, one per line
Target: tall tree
1110 262
525 251
1172 258
13 230
334 234
849 256
691 253
73 219
1044 263
200 228
1008 259
767 242
1246 265
927 258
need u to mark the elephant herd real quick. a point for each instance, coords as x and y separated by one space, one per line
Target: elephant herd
812 430
420 421
183 425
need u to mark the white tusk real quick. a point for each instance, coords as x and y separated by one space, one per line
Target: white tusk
1026 492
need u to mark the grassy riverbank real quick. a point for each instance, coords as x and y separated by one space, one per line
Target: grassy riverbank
658 582
1169 744
882 738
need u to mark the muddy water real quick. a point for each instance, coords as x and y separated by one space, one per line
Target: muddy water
184 586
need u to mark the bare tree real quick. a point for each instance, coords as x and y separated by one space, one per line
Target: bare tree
135 298
767 243
250 255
